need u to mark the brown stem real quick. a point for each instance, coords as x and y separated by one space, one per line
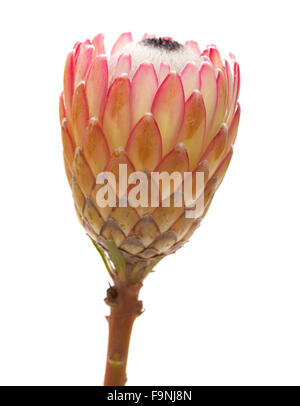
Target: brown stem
125 307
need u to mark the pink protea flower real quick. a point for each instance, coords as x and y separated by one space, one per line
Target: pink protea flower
154 105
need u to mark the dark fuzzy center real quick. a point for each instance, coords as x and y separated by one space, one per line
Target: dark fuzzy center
162 43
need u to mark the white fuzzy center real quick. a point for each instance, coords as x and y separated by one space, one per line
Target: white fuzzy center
177 59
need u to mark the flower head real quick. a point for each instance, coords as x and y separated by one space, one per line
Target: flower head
155 105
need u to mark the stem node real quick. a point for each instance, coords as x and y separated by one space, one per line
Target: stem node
124 309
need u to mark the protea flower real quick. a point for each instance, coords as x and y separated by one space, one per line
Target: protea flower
154 105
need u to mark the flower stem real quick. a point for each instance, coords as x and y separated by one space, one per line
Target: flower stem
125 308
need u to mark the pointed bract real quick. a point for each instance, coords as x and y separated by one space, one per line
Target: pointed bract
80 113
232 132
96 87
221 104
235 92
192 132
83 62
117 113
168 110
193 46
82 172
144 86
123 65
62 110
95 147
123 39
190 79
69 84
208 88
214 152
119 157
192 190
229 82
98 42
164 70
144 146
222 168
215 57
68 144
176 160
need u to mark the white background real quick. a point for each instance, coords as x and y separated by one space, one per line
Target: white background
224 310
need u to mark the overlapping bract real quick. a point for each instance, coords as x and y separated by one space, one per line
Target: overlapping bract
162 121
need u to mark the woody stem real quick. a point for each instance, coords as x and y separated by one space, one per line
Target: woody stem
124 309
